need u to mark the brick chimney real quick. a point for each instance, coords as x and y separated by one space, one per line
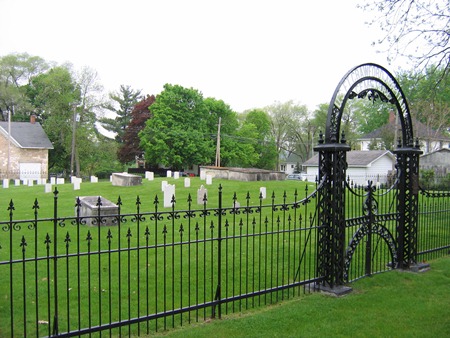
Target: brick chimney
391 117
32 119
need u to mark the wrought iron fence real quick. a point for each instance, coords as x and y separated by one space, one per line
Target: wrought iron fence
150 270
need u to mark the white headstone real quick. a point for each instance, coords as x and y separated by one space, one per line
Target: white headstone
16 182
48 187
110 178
149 175
208 179
60 180
72 179
25 181
94 179
169 192
169 173
176 175
5 183
30 183
187 182
262 192
52 180
76 184
201 193
163 185
202 175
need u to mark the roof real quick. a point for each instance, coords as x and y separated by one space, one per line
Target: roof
355 158
442 150
420 130
26 135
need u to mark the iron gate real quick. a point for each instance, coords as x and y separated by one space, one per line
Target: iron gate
396 227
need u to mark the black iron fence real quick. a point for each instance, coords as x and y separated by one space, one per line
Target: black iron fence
145 271
150 270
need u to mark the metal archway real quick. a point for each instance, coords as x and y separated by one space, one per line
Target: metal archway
373 82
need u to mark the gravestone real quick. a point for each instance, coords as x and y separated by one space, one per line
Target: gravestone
30 183
187 182
169 173
5 183
262 192
202 175
208 179
125 179
94 179
76 183
52 180
169 193
176 175
25 181
16 182
48 187
149 175
163 185
201 193
60 180
89 210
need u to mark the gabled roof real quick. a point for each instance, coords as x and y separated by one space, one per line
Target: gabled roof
355 158
420 131
442 150
26 135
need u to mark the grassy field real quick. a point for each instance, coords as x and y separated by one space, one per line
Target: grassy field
246 264
393 304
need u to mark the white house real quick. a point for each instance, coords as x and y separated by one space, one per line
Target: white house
373 165
430 140
290 164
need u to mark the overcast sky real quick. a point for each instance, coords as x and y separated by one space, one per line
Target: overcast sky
248 53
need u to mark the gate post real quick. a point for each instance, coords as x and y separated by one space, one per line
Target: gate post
407 204
331 215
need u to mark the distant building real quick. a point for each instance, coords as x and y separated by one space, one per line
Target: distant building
28 147
373 165
429 139
291 163
438 161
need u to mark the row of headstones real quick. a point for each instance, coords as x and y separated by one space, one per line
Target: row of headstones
76 181
202 194
149 175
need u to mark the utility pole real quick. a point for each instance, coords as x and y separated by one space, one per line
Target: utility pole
74 127
218 145
8 171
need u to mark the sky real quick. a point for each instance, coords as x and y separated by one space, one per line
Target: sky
248 53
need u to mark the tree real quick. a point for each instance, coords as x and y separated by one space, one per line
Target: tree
417 29
264 145
130 148
126 99
53 96
16 72
177 135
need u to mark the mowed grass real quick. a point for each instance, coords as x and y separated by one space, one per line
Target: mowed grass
392 304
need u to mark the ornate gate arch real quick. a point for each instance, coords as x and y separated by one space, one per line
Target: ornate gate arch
372 82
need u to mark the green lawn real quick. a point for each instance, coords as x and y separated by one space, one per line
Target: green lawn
392 304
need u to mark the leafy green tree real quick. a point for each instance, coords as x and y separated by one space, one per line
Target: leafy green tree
54 94
16 72
126 99
428 95
177 135
265 145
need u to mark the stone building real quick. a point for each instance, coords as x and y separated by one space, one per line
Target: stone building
25 151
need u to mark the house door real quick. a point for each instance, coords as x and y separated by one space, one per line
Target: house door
30 171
